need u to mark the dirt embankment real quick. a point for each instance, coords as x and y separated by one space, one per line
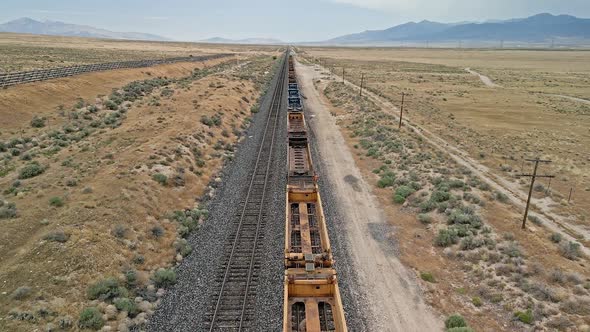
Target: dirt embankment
19 104
101 205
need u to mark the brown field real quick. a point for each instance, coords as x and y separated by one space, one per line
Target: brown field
111 167
494 272
20 52
497 126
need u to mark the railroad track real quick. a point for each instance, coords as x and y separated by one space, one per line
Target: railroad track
233 302
22 77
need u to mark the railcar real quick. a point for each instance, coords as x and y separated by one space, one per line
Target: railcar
311 296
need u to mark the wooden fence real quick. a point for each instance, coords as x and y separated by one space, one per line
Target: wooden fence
48 74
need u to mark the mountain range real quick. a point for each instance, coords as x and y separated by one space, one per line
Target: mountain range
537 28
28 25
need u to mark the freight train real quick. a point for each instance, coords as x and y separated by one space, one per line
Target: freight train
311 296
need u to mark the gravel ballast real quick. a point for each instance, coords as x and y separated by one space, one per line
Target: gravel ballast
186 304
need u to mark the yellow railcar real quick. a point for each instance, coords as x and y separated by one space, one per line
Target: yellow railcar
311 296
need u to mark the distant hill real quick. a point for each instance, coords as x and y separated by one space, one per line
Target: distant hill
219 40
538 28
28 25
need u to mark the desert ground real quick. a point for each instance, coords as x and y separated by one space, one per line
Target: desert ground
104 175
446 180
94 194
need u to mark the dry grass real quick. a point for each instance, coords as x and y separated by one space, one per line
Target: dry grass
114 220
497 126
25 52
435 203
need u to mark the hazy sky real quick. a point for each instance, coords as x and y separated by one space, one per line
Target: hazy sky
293 20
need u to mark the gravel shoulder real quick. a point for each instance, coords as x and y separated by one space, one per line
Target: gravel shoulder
373 279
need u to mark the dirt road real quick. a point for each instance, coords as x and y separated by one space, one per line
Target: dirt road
486 80
551 220
395 298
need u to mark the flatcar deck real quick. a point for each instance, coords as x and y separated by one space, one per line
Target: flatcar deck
312 300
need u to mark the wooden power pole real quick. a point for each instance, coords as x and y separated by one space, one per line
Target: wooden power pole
342 74
533 177
362 81
401 111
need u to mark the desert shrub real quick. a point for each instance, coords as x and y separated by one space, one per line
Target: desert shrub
424 218
57 236
455 320
215 120
130 277
442 207
470 243
56 201
31 170
575 278
401 193
446 237
164 278
166 92
576 306
427 276
119 231
427 206
182 247
21 293
157 231
476 300
440 196
38 122
535 220
125 304
106 289
111 105
501 197
464 216
92 109
570 250
7 210
387 180
525 317
160 178
138 259
511 250
541 292
555 237
90 318
557 276
560 323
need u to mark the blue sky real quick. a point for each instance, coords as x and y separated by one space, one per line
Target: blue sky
298 20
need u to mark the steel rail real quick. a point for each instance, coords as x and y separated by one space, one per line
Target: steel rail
275 108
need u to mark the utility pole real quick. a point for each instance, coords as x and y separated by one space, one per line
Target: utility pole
342 74
533 177
362 81
401 111
570 195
